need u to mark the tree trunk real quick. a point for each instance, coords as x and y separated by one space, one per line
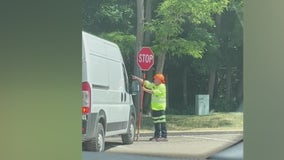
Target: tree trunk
148 17
147 42
185 94
139 43
211 83
213 67
228 82
240 92
167 91
161 63
140 25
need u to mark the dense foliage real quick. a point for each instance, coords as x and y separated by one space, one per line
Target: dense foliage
201 40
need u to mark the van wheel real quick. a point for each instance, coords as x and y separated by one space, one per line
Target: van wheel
129 137
97 143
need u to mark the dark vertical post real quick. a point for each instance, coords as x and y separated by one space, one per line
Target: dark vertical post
139 43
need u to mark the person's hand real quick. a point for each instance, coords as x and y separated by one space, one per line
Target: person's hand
134 77
137 78
147 90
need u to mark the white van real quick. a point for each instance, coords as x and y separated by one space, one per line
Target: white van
107 103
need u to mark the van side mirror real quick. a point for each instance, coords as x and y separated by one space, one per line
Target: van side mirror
135 87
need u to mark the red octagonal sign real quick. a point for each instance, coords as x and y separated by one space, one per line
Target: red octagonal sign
145 58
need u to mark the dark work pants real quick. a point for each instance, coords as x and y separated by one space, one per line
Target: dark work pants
159 120
160 130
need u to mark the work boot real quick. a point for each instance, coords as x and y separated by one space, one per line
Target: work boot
162 139
153 139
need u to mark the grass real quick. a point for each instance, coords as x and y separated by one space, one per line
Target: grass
213 121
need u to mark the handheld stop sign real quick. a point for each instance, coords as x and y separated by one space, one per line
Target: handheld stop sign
145 58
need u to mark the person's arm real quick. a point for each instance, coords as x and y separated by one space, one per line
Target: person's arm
137 78
147 90
148 86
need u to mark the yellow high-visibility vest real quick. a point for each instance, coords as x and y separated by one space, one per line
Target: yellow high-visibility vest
158 101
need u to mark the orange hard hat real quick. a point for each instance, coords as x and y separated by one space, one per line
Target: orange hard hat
160 77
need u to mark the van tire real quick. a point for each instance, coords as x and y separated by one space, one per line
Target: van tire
97 143
128 138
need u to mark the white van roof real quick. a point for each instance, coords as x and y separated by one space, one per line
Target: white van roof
101 47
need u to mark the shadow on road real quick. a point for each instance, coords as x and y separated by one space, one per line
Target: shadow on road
109 145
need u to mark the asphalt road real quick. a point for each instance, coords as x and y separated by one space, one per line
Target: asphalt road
234 152
197 145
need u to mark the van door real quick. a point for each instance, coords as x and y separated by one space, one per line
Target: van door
118 115
125 97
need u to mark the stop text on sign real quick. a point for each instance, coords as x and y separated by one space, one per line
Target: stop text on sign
145 58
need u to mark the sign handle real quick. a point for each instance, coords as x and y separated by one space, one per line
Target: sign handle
141 107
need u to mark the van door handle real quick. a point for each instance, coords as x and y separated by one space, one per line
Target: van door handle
121 97
124 97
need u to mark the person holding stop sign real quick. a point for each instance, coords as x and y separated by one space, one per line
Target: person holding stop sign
158 104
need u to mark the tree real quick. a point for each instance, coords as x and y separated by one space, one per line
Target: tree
195 57
228 67
108 16
170 29
167 26
112 20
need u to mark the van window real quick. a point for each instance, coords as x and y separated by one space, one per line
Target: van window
125 78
